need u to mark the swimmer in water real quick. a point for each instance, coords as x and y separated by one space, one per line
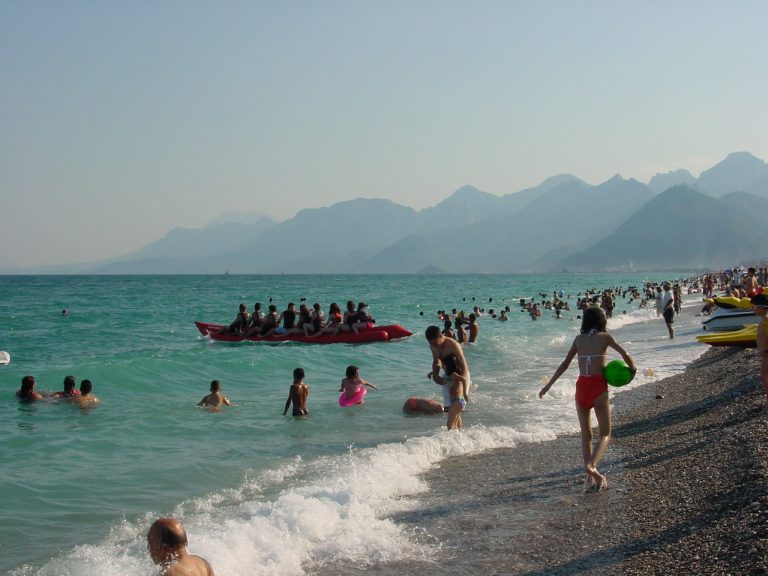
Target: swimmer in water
216 398
167 545
27 391
416 405
297 394
352 383
86 397
69 389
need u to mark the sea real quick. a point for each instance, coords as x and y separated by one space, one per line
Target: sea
259 492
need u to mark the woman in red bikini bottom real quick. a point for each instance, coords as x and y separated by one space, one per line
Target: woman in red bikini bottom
592 389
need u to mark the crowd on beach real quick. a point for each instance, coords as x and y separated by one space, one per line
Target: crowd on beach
167 539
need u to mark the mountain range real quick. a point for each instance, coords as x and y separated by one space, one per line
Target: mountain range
564 224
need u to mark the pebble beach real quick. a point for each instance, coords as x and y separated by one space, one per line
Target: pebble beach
688 495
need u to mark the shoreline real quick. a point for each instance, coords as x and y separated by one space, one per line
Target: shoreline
688 467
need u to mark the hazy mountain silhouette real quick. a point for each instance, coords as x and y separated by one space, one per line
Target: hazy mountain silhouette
561 222
662 182
682 228
739 172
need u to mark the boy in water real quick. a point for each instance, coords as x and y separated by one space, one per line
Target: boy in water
215 399
297 394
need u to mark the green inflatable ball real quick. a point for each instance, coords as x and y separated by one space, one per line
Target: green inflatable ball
617 373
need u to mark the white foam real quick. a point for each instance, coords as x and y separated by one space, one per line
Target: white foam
337 510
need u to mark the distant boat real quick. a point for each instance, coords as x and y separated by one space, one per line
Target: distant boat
5 358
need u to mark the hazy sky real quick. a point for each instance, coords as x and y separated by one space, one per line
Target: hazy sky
122 120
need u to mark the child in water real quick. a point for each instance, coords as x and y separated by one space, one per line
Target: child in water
592 389
215 399
352 383
297 394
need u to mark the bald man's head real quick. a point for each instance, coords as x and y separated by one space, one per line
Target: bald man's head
166 537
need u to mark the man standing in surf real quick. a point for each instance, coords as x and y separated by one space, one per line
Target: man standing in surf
447 353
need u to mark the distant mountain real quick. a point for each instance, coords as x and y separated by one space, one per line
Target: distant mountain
739 172
662 182
212 240
682 228
561 222
240 218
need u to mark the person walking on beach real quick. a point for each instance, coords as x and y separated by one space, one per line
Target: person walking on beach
447 353
167 545
592 389
668 308
297 394
760 307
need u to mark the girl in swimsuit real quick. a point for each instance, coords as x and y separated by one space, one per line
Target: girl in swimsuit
592 389
352 383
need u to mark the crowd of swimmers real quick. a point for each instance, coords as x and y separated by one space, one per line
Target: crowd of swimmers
309 321
83 397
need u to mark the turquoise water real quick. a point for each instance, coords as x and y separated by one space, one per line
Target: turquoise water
261 493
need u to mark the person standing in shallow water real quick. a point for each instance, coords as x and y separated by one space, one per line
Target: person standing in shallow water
592 389
668 308
297 394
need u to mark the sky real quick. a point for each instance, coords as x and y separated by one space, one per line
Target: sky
120 121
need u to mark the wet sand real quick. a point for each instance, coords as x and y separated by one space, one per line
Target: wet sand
688 468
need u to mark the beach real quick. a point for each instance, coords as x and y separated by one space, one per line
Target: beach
687 468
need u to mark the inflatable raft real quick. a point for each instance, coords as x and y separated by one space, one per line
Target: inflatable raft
373 334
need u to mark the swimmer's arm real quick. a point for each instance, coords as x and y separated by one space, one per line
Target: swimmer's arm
227 402
341 389
288 402
560 369
627 358
366 383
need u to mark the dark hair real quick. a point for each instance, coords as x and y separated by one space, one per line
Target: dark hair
593 319
27 383
257 306
298 374
215 385
352 371
431 333
69 384
85 387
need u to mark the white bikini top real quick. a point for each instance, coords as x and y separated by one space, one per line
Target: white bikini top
589 357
